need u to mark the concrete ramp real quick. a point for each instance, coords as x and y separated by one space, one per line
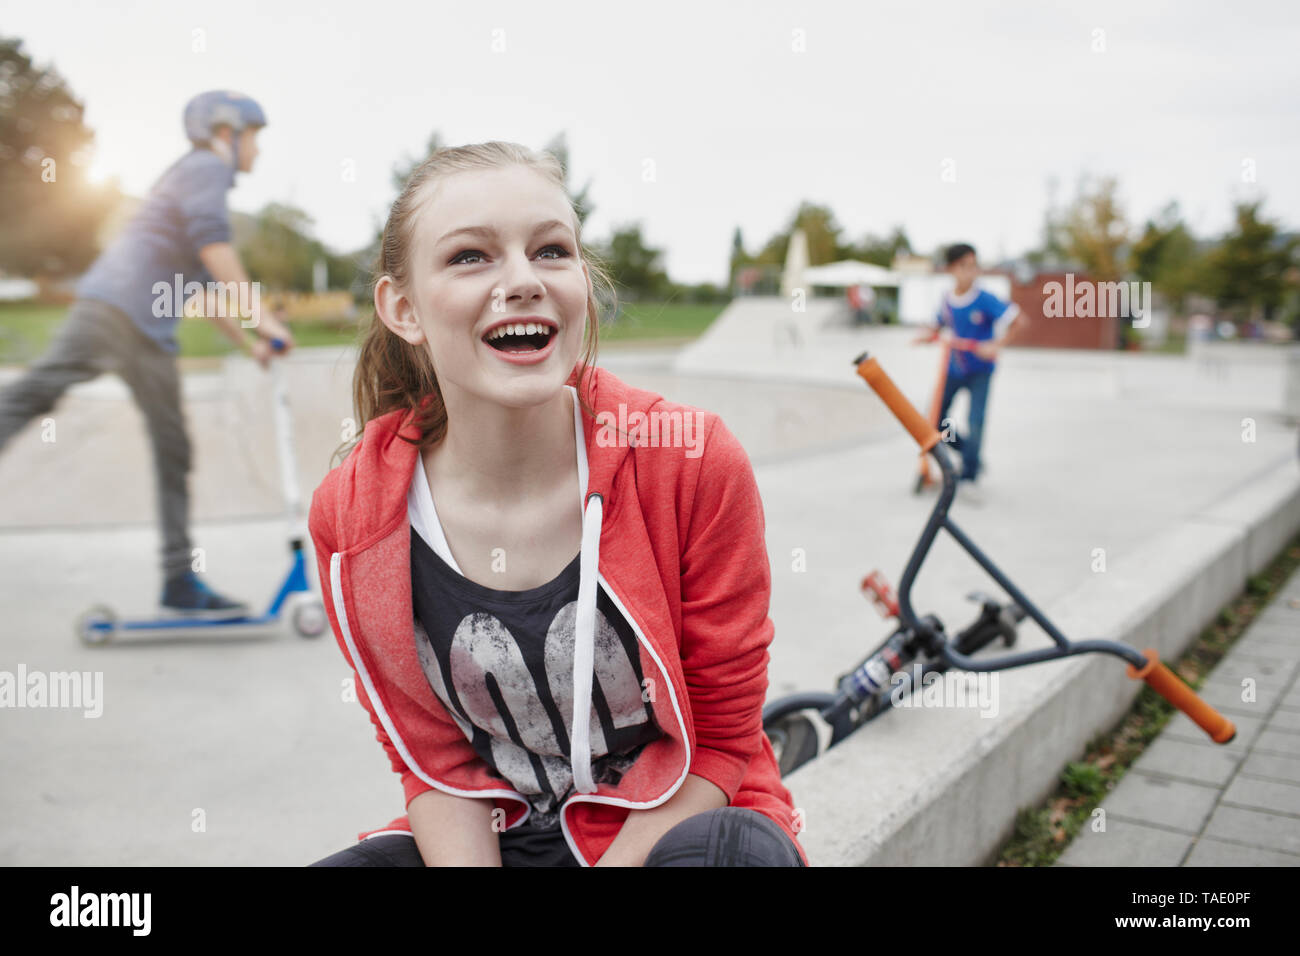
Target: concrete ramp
755 329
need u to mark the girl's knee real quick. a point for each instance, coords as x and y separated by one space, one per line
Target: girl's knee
389 849
727 836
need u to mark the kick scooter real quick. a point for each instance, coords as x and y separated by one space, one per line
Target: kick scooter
802 726
925 479
293 601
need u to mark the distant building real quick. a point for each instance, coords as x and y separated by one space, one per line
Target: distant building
1037 330
908 264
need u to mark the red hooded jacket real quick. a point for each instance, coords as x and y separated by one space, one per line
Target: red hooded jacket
675 538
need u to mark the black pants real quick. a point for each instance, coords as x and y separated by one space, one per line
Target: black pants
728 836
96 338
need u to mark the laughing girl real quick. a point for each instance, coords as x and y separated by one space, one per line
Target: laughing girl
560 632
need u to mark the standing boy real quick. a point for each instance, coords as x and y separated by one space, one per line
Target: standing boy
123 322
972 313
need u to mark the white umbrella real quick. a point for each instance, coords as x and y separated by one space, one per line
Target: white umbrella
796 264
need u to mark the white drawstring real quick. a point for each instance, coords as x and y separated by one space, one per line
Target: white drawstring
584 645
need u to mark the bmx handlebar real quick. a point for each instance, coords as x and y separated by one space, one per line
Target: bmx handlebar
1158 677
1171 687
926 435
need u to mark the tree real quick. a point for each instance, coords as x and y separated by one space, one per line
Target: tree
1166 256
559 147
279 254
403 168
1095 232
1052 252
881 252
634 265
1246 272
819 226
282 254
359 263
739 258
52 216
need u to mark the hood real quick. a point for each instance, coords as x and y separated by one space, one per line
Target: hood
370 495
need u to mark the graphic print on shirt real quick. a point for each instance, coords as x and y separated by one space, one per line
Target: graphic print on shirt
503 668
972 316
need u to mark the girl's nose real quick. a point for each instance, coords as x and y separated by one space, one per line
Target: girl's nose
520 278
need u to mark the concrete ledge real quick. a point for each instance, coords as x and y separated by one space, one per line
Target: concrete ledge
942 786
1267 508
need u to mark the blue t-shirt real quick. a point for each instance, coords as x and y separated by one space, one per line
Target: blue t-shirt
976 315
185 211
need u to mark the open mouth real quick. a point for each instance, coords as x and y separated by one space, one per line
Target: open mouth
520 337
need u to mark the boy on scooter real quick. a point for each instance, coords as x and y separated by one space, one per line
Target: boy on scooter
124 320
971 313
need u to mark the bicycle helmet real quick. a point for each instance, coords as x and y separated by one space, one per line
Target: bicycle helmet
205 112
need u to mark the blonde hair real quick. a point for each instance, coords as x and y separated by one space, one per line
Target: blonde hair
391 373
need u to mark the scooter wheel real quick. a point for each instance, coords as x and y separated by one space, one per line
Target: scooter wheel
309 619
97 625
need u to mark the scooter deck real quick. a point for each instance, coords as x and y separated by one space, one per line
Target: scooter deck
149 628
101 625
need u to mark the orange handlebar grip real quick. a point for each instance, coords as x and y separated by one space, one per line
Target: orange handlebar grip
1172 688
926 435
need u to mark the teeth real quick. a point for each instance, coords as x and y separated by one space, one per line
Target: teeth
518 328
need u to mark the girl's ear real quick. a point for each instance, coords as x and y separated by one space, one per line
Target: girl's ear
397 311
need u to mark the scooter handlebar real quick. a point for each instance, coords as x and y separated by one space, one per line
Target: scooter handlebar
962 345
1169 686
926 435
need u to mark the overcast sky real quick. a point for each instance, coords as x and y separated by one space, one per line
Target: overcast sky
947 118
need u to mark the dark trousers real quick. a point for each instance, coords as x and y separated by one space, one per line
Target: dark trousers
96 338
728 836
968 445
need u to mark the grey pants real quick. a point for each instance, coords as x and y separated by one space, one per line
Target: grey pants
727 836
97 338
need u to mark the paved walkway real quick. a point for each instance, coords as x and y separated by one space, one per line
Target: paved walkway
1190 802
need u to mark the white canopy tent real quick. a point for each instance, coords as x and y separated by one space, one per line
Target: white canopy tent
918 294
851 272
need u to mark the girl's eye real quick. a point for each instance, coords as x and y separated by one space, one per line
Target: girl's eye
468 254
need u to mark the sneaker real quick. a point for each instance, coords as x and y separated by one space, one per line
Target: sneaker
186 594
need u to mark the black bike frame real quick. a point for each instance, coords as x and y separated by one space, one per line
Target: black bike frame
939 518
846 711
